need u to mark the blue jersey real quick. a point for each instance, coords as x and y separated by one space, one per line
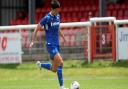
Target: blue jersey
51 25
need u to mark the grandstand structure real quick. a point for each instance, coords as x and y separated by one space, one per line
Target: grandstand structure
76 11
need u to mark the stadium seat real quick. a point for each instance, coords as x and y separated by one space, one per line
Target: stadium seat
76 8
114 13
38 11
78 11
19 21
111 7
123 7
120 13
70 9
24 22
82 8
13 22
108 13
88 8
117 7
96 14
65 9
94 8
125 13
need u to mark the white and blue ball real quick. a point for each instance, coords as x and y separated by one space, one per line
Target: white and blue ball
75 85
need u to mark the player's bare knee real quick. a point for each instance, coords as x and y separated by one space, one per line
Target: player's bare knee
61 63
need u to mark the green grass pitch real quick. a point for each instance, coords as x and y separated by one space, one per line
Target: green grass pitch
100 75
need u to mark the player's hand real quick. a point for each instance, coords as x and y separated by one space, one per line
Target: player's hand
31 44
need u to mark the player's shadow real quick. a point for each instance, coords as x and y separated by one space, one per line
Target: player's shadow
9 66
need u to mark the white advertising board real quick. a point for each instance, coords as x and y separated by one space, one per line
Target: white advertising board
122 43
10 48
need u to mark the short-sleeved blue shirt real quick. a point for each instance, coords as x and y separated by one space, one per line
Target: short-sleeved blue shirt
51 25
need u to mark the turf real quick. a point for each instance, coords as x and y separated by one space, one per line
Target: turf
99 75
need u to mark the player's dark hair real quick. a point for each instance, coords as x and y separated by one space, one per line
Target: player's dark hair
55 4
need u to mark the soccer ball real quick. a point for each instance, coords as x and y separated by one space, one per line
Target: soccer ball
75 85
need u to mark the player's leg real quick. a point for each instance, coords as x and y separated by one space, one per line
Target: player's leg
53 67
55 61
57 66
47 66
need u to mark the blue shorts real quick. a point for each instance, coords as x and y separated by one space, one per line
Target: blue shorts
52 50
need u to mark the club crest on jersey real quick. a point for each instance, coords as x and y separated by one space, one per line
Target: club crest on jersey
54 23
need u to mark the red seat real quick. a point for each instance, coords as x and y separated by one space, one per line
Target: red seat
123 6
71 9
48 9
120 17
18 22
114 13
94 8
125 17
74 15
80 3
82 8
117 6
24 22
120 13
38 10
65 9
87 8
43 10
125 13
83 19
13 22
97 14
108 13
79 15
76 8
111 7
85 14
74 19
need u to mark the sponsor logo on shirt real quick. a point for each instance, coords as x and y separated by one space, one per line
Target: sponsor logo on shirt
54 23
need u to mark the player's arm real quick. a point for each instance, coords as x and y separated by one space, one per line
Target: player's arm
38 27
62 35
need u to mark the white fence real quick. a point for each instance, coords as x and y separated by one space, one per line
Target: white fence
76 47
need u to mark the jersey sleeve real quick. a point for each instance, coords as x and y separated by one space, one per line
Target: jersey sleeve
43 21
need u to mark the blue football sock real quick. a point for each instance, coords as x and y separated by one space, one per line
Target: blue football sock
46 66
60 76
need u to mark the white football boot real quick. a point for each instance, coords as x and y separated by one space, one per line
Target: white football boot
38 63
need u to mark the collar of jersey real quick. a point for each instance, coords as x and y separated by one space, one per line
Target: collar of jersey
52 15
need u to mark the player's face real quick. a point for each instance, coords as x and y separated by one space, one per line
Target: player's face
55 11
